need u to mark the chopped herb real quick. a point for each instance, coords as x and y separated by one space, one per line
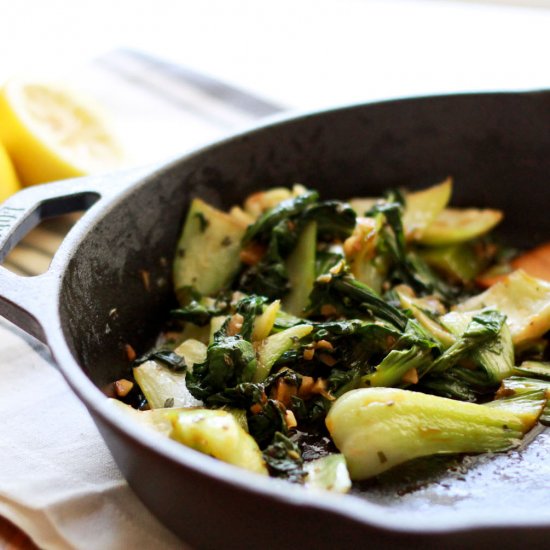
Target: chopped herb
168 358
283 459
169 403
204 223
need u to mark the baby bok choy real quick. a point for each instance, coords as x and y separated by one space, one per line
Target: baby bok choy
217 433
378 428
306 324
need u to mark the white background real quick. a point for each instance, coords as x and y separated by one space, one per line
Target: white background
305 53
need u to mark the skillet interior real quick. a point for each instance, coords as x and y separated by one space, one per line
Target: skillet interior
496 147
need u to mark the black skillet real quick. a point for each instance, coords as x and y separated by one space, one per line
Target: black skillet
94 299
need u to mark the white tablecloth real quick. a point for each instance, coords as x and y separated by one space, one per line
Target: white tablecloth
58 481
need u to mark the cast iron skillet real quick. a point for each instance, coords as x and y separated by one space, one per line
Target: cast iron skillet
93 300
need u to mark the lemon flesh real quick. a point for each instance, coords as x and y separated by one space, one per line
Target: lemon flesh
9 184
51 133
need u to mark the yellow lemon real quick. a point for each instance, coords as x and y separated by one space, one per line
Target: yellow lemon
9 183
52 133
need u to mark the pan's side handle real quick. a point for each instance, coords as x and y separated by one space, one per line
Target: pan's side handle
25 301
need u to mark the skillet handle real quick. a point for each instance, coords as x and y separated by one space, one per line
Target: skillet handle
25 301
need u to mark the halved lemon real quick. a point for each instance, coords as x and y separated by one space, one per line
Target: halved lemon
9 183
51 132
